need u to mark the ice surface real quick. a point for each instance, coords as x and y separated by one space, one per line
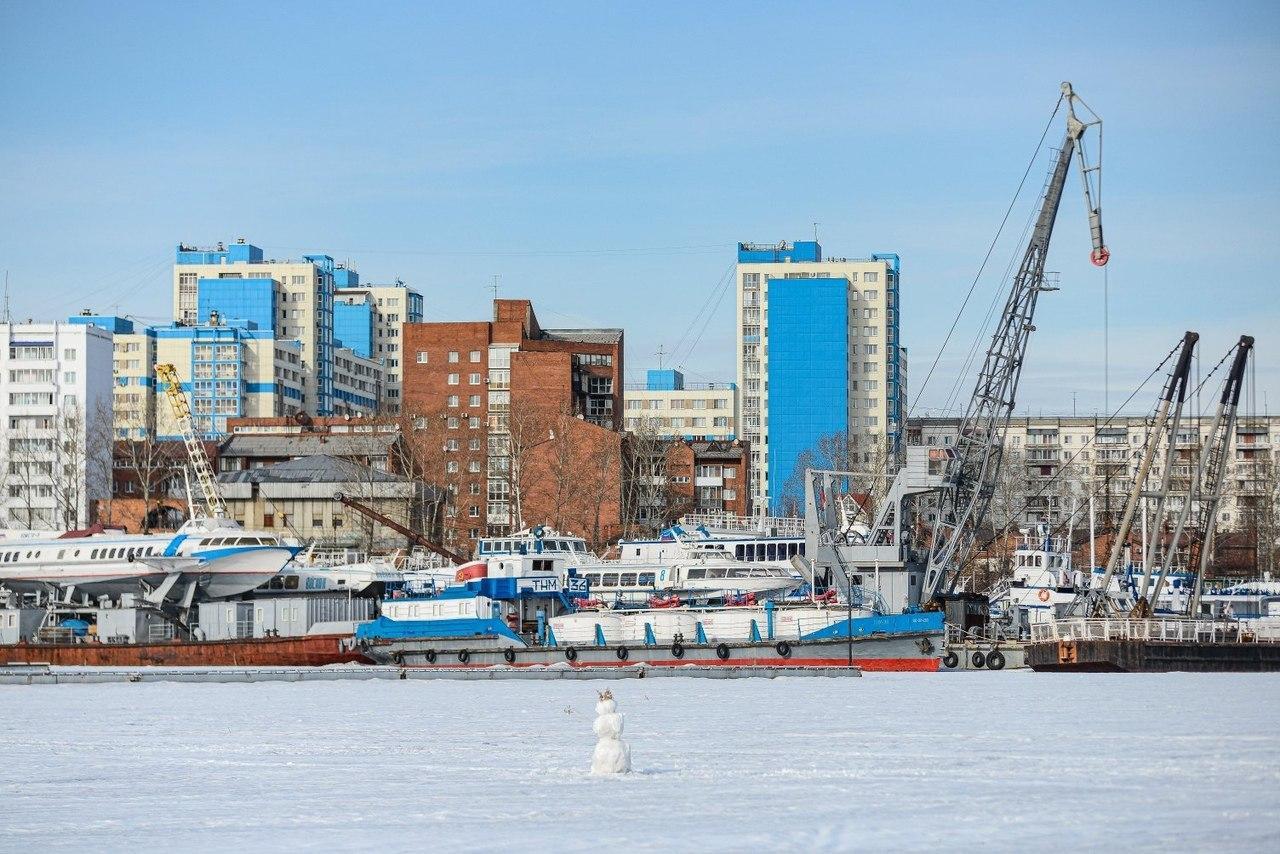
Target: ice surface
1004 761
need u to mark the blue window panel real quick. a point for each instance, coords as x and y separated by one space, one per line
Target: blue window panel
808 374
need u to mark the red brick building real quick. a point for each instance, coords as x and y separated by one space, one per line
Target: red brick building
527 421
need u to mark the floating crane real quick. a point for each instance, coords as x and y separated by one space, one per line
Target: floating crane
209 503
974 461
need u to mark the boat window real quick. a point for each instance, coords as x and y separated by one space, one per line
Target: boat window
802 548
291 582
759 551
593 578
717 572
697 572
646 579
93 555
772 551
61 552
628 579
609 579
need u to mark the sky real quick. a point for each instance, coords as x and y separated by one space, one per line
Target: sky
603 159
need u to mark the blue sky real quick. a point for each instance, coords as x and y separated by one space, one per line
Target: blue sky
602 159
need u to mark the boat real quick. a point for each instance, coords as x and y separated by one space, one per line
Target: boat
304 651
518 610
684 566
213 556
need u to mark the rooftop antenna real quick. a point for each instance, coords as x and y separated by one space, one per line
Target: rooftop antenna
661 353
494 286
815 231
7 318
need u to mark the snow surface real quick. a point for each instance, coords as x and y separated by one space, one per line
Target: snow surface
1011 760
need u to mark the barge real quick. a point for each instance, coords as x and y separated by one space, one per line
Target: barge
1153 646
305 651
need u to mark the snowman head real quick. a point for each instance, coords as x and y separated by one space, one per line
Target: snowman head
606 705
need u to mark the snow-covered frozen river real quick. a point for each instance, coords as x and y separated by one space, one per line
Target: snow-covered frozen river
887 762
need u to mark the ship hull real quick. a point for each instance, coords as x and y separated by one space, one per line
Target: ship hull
307 651
903 652
1152 656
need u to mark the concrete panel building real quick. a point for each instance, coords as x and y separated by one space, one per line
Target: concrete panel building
370 319
819 356
56 415
673 408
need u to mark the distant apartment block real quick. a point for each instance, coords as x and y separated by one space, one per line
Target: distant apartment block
819 355
1053 464
675 409
55 408
370 319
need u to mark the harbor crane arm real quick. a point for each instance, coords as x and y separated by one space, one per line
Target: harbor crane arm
211 503
413 536
974 461
1214 470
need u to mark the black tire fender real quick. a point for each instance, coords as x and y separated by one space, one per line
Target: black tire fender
995 660
978 659
398 657
431 656
623 653
951 661
464 656
783 648
509 655
571 654
677 650
722 651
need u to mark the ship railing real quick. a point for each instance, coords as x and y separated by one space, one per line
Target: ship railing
1176 630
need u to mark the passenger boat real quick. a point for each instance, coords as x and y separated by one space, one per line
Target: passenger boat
215 557
513 610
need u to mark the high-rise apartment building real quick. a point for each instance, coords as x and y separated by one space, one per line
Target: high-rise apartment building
370 320
819 361
292 298
509 397
674 409
55 409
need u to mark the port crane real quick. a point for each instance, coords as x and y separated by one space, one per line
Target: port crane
209 502
973 462
412 535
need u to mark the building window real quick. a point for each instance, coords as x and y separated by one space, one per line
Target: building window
473 466
453 379
268 520
474 422
870 277
453 400
474 511
451 467
69 354
474 356
422 357
453 356
473 379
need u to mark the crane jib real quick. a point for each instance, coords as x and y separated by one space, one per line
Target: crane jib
969 481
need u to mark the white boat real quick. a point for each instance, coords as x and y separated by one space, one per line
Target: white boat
690 567
215 557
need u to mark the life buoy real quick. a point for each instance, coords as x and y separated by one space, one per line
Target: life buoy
431 656
995 659
722 651
677 650
978 660
464 656
783 648
623 653
509 655
571 654
951 660
1043 595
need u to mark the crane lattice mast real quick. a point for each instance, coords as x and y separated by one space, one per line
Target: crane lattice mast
211 503
974 461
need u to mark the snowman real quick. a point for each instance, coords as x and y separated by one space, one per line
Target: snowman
612 755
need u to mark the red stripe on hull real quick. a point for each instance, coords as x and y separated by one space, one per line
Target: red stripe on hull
884 665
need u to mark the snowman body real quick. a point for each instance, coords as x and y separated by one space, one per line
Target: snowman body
612 755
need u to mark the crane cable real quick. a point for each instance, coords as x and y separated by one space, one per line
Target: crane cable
987 257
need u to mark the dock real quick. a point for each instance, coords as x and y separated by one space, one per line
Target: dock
45 674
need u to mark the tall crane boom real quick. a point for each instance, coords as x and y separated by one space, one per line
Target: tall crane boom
210 500
974 461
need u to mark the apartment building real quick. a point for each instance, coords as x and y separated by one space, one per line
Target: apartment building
675 409
1052 464
291 298
370 319
818 356
55 407
519 406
